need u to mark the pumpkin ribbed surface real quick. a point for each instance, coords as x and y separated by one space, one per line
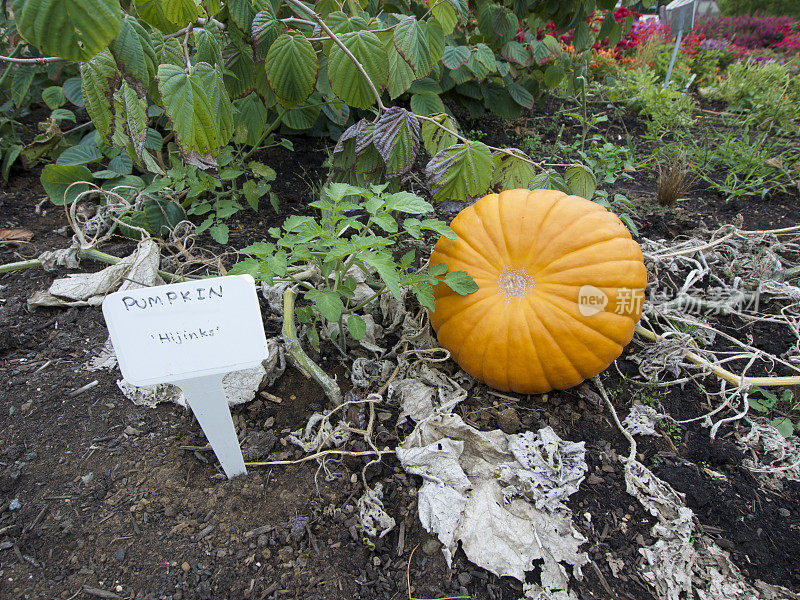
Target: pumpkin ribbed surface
561 284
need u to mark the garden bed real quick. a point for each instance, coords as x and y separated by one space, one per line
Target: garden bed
101 498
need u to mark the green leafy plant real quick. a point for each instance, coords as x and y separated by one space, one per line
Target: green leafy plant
218 77
750 162
766 94
667 110
355 235
764 401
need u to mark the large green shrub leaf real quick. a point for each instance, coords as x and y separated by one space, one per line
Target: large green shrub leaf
81 154
133 51
396 138
72 90
130 120
346 81
427 103
99 80
198 106
291 69
400 74
420 43
460 171
512 172
455 56
515 52
264 31
22 83
436 138
250 119
581 181
152 12
303 116
240 75
58 182
180 12
162 215
71 29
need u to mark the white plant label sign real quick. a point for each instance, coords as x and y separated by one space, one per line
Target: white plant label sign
191 334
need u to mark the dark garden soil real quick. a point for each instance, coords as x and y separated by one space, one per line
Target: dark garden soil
100 498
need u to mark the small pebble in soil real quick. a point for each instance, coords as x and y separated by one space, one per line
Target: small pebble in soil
120 554
185 567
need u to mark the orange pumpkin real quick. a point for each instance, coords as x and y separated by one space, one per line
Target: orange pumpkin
561 285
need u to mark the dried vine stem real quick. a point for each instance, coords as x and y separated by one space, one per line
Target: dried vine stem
328 384
321 454
737 380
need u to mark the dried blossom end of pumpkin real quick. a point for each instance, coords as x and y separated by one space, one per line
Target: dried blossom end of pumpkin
515 282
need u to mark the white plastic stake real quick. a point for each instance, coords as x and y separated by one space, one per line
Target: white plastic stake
191 334
203 395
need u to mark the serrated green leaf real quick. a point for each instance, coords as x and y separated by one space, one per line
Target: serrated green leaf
99 79
437 270
406 202
130 120
152 13
263 170
424 295
71 29
460 282
133 51
384 264
72 90
455 56
396 138
250 115
219 232
53 96
21 83
356 327
582 38
62 114
581 181
426 104
291 69
400 74
515 52
60 182
460 172
162 215
329 305
209 46
154 140
439 227
436 138
445 13
240 75
346 80
303 116
553 75
121 165
521 95
420 44
180 12
264 31
198 106
79 155
511 172
9 157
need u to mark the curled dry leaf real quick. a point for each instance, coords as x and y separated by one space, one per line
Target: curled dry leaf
15 236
